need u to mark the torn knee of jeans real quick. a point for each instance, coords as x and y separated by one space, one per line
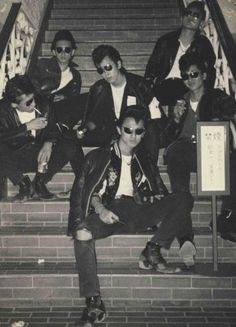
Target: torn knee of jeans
83 234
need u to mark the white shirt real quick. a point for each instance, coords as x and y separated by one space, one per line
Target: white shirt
25 117
66 77
175 72
194 105
125 185
118 93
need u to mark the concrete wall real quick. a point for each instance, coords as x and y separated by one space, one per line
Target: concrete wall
33 9
228 8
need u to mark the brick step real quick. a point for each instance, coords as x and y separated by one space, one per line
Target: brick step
138 62
107 23
112 36
30 284
115 4
62 181
55 213
52 244
123 316
125 48
127 12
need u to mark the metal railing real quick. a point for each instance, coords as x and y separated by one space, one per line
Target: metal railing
17 41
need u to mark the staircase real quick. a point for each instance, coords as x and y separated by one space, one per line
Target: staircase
37 260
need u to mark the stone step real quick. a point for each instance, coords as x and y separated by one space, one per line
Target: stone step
123 316
138 62
115 4
55 212
125 48
112 36
52 244
115 13
30 284
110 24
62 181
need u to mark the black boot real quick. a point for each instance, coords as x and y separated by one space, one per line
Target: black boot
151 258
40 187
26 190
94 312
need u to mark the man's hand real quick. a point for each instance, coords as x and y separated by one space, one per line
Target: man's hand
108 217
37 123
45 152
179 110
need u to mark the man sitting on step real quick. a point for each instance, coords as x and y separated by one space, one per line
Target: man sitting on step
109 96
162 70
199 104
120 191
30 140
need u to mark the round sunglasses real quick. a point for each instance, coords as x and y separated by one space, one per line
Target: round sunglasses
137 131
186 76
106 68
65 49
194 15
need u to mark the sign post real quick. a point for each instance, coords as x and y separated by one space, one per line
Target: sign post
213 168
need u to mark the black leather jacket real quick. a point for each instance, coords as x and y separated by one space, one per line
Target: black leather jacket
214 105
165 50
46 77
104 164
15 135
100 106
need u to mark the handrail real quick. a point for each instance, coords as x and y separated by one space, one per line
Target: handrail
16 45
8 26
224 34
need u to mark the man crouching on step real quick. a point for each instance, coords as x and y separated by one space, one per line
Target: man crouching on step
119 191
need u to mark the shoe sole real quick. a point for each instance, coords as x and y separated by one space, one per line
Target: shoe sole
187 252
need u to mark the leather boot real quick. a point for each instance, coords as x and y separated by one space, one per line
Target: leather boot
41 189
26 190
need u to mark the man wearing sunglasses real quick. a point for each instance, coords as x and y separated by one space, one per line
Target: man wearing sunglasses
29 139
59 80
120 191
198 104
162 70
109 96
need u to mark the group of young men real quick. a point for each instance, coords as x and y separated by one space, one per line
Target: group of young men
118 187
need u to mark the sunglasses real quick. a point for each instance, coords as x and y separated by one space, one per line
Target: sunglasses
28 103
186 76
65 49
137 131
193 14
106 68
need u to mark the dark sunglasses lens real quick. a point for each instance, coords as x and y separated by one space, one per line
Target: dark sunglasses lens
59 50
194 74
66 50
108 68
28 103
139 131
185 77
127 130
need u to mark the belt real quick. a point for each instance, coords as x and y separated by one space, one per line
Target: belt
122 196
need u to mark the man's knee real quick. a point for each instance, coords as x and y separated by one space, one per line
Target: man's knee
185 200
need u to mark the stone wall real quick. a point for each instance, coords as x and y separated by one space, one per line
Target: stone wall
32 8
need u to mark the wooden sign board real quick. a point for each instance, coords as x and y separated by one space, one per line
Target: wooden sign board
213 158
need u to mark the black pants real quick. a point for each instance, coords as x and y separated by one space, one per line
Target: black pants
170 90
172 211
14 163
181 158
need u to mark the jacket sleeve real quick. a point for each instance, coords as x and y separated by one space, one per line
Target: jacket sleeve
154 63
7 133
227 106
